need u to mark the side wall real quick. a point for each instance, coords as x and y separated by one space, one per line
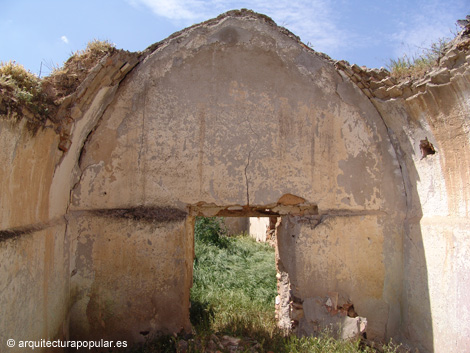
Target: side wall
34 269
35 182
437 249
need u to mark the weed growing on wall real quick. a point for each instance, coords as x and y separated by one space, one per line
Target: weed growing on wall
66 79
21 88
416 66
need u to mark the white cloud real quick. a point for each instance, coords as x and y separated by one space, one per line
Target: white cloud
176 9
64 39
312 20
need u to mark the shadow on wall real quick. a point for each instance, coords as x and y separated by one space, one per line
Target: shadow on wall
416 312
417 323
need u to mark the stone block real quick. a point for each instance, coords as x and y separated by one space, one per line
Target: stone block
440 77
375 84
381 93
341 64
76 113
356 68
394 91
388 81
453 54
367 92
457 71
407 92
446 62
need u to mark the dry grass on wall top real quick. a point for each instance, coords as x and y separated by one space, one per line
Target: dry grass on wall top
66 79
24 95
418 65
19 88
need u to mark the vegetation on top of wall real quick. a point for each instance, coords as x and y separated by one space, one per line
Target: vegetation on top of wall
418 65
66 79
25 95
20 88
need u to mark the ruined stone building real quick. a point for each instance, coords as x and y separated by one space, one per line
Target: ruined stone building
370 179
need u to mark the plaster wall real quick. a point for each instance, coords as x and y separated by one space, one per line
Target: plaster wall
436 248
356 256
203 124
131 276
28 159
34 269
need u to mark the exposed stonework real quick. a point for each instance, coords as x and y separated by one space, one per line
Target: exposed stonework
378 83
236 117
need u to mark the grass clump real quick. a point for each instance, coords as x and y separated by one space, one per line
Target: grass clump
416 66
26 85
20 89
66 79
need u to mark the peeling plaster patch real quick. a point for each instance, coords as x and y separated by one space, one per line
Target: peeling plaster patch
308 64
355 134
290 200
90 172
358 168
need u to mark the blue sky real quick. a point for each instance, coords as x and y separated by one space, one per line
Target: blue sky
362 32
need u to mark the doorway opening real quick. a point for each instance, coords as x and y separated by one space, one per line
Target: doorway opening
234 281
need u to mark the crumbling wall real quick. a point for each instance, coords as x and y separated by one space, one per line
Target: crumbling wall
129 274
